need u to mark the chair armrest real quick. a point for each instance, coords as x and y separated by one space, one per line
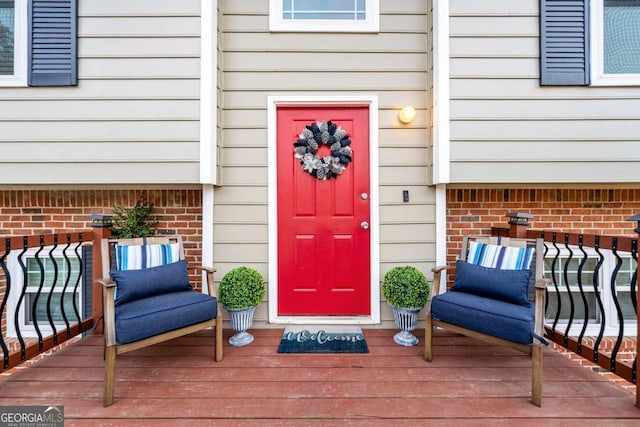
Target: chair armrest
108 310
211 288
542 283
106 283
540 300
437 277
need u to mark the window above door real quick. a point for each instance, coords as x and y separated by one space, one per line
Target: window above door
324 15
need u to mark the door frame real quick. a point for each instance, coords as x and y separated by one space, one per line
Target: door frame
319 100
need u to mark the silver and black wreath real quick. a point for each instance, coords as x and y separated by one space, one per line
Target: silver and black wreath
312 138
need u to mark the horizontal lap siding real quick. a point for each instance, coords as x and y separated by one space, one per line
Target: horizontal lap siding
393 64
134 114
505 127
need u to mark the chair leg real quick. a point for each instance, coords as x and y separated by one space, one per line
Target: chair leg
219 339
428 338
109 375
536 374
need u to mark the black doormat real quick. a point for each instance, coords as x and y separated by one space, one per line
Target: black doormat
323 339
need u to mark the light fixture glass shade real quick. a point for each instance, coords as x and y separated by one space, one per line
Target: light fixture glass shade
407 114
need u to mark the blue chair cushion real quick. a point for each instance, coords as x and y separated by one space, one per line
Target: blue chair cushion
132 285
157 314
513 322
507 285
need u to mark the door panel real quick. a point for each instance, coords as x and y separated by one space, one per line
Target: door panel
323 253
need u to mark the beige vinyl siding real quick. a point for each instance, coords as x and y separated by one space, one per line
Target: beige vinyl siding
506 128
393 64
134 115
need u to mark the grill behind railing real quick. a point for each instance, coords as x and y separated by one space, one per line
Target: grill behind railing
41 280
589 303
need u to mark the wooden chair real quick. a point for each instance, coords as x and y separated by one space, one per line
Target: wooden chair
148 299
502 303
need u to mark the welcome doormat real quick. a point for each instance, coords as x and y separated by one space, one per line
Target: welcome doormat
323 339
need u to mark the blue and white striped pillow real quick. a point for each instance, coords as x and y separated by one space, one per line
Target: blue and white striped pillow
501 257
136 257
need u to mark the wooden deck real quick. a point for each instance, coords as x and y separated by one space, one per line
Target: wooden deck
468 383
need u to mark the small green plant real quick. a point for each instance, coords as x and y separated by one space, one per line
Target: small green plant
405 287
242 287
133 222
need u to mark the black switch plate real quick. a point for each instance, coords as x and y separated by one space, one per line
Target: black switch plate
405 196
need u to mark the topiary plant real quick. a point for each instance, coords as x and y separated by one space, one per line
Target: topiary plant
242 287
405 287
133 222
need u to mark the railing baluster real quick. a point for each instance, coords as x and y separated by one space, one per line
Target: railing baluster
569 293
5 297
596 288
554 280
16 314
34 316
51 290
75 289
66 284
585 302
614 294
634 278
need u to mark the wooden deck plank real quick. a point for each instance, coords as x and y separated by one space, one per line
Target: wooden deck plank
468 382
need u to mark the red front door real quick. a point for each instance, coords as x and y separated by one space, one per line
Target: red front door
323 235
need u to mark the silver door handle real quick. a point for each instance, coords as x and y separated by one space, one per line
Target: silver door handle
364 225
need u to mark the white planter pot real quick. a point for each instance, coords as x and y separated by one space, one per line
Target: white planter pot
406 320
241 320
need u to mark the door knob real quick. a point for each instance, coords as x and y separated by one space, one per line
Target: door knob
364 196
364 225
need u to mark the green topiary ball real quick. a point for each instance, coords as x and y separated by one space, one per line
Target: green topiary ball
242 287
405 287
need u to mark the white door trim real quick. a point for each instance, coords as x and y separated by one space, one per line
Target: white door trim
371 101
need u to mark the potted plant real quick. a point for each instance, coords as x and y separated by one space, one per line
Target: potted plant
240 291
133 222
406 290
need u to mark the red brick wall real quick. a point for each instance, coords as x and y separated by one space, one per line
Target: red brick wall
26 212
589 211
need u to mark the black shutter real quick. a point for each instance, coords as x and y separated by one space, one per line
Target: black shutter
53 43
564 42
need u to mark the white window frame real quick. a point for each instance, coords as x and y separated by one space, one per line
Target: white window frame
19 77
369 25
598 77
593 328
28 330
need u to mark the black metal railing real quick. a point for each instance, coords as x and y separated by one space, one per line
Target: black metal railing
43 291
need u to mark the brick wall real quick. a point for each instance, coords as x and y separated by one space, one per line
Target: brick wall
589 211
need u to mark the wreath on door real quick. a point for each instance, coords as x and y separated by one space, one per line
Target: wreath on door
315 136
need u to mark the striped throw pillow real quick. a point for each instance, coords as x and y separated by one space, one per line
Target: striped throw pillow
136 257
501 257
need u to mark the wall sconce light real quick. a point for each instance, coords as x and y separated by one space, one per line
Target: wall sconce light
406 115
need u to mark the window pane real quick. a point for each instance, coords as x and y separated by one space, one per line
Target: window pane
621 36
324 9
579 308
56 312
7 25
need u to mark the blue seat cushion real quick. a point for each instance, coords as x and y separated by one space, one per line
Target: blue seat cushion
513 322
157 314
